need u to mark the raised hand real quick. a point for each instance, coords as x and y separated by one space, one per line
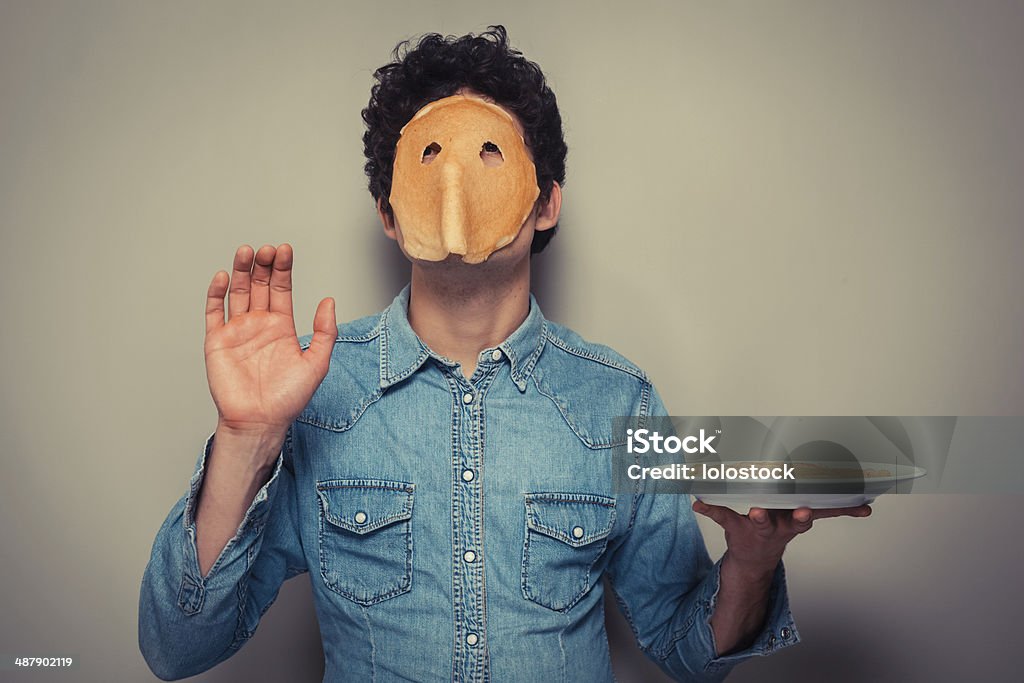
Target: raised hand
259 378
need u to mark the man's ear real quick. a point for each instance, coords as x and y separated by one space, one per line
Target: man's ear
547 216
386 220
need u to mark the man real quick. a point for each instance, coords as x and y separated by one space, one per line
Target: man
443 469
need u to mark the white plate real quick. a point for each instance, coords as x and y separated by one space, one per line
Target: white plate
744 495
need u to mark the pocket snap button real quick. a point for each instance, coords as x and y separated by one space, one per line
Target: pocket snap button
577 532
360 517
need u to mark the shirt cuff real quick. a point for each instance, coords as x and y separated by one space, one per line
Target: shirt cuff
779 629
252 523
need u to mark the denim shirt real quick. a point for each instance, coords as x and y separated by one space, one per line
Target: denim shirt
454 529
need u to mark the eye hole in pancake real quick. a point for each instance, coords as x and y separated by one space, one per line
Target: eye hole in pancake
491 155
430 152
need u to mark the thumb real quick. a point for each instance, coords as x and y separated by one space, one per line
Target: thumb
325 331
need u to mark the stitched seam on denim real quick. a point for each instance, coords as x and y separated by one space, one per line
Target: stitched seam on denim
188 604
522 371
456 507
590 355
382 349
368 526
405 583
387 377
348 338
560 497
679 634
560 535
353 417
603 621
707 605
601 537
480 446
242 632
585 440
373 647
395 379
526 552
387 485
645 403
563 667
586 582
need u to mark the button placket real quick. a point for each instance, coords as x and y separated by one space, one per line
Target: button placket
470 652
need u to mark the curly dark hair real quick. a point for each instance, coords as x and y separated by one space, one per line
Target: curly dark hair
437 67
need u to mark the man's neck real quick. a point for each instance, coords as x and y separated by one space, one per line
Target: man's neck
459 310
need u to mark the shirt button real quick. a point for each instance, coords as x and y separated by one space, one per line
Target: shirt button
469 556
471 639
577 532
467 475
785 632
467 398
496 354
771 640
360 517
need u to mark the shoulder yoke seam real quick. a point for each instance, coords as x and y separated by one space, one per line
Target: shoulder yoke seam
305 340
589 355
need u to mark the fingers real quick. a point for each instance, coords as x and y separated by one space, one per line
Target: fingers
325 331
259 296
215 301
859 511
801 520
260 280
721 515
238 299
281 280
762 521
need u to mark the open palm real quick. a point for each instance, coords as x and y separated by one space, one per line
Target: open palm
259 377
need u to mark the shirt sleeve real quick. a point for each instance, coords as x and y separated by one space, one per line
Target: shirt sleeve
188 623
666 586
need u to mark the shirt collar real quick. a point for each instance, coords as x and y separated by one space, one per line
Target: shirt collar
402 352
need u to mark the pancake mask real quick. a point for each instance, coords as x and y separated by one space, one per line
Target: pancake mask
463 181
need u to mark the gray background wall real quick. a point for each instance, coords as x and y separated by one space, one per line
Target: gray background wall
774 208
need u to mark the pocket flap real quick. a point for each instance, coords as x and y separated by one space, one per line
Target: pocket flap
365 505
575 519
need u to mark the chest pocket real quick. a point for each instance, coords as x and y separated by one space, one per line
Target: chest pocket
566 533
366 538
